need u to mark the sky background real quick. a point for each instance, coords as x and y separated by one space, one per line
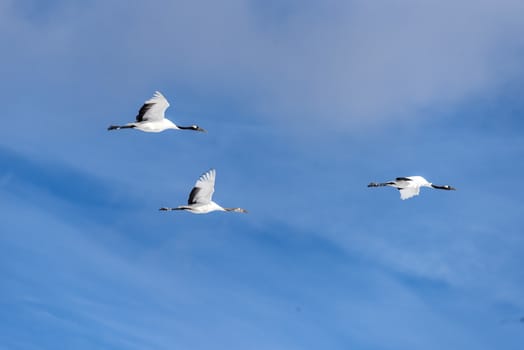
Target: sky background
305 102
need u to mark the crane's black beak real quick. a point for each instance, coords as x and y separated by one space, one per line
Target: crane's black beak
200 129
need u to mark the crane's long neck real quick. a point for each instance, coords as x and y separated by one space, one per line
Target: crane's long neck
440 187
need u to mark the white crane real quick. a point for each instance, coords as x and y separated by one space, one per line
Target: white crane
410 186
151 118
199 201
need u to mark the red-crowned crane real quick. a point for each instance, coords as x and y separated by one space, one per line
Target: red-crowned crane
150 117
410 186
200 198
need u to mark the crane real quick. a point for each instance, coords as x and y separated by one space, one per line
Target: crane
409 186
200 199
150 117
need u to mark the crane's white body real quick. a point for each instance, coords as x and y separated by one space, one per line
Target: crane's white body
200 199
409 186
154 125
203 208
151 117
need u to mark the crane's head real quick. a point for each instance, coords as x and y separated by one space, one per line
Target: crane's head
197 128
192 127
445 187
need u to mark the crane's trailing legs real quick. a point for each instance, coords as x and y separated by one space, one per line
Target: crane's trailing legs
118 127
236 210
382 184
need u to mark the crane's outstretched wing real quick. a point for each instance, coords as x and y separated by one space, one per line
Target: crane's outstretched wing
409 192
419 180
204 188
153 109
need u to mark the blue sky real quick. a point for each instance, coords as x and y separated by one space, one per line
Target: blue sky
305 103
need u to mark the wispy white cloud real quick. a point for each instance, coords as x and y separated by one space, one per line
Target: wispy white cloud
135 294
331 63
